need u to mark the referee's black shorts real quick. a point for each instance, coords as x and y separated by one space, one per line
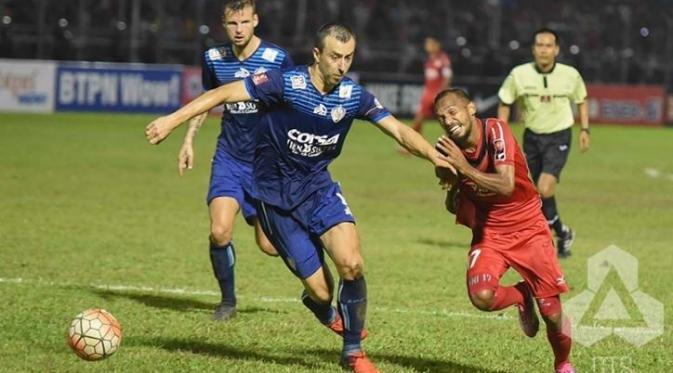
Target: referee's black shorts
546 153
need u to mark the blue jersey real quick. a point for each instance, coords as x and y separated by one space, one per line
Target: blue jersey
239 120
302 132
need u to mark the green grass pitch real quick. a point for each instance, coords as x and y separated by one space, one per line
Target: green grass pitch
92 216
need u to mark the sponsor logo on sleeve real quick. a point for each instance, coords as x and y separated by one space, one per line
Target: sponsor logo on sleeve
298 82
260 78
270 54
498 142
377 103
499 146
215 54
338 113
243 107
345 91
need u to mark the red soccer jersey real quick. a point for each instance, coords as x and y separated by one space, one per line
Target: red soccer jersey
437 69
478 208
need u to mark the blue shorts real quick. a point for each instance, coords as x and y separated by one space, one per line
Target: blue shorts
296 233
230 177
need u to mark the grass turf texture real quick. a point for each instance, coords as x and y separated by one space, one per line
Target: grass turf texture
85 202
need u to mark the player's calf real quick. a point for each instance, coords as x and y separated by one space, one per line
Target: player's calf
558 332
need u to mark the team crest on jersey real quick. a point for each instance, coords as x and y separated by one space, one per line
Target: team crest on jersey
345 91
298 82
270 54
242 73
260 78
338 113
320 110
261 70
216 54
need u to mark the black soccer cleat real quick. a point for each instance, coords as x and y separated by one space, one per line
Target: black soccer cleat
564 242
224 312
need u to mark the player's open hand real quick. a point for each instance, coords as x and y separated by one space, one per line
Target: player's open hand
451 153
185 158
585 141
158 130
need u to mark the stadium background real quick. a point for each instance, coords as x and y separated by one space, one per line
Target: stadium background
615 42
92 216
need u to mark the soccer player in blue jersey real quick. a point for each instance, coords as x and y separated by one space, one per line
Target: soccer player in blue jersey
231 173
310 110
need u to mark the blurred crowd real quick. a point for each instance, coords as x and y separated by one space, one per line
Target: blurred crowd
608 40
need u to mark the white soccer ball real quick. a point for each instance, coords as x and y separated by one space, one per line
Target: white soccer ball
94 334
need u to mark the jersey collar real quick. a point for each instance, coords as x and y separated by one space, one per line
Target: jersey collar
542 72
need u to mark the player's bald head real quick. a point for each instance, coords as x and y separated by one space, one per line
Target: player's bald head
338 31
456 95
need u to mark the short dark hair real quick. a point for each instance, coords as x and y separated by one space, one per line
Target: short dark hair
546 30
339 31
461 93
237 5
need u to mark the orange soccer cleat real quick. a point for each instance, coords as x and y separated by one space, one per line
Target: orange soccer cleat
338 327
358 363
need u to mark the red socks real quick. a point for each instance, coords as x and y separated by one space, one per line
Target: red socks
505 297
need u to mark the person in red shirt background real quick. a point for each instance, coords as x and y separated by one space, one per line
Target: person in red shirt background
438 76
493 195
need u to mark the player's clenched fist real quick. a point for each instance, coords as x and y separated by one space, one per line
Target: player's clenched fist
158 130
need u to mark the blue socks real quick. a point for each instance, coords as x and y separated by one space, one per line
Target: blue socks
223 259
352 304
325 313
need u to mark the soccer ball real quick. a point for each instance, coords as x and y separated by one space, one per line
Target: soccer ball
94 334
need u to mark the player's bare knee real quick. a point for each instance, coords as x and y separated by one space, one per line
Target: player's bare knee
482 299
351 268
220 234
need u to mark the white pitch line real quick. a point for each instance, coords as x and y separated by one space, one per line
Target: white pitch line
652 172
263 299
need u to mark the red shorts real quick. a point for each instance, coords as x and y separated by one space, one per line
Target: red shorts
529 251
425 107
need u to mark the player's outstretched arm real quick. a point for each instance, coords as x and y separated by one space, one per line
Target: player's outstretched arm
186 154
161 127
501 182
412 141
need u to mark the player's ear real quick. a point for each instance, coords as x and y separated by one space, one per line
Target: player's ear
472 108
316 55
255 20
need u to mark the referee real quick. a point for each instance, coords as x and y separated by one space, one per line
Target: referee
544 90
